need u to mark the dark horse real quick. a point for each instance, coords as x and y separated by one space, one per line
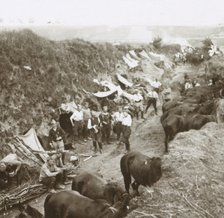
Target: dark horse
70 204
145 170
95 187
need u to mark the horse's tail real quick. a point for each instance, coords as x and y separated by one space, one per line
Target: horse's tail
125 171
47 212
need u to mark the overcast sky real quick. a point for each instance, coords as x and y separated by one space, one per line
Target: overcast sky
112 12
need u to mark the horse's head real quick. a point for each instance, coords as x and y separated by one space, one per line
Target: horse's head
155 170
122 206
113 192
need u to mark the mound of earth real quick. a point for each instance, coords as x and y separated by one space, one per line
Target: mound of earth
193 177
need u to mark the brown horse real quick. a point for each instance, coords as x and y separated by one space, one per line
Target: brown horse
70 204
95 187
145 171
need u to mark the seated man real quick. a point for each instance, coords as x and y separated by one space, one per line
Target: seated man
9 167
51 176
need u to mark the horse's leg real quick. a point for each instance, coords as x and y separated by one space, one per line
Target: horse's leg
137 113
167 139
166 144
135 186
127 182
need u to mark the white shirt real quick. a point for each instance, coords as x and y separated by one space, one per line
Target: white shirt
118 116
153 94
156 84
77 116
188 86
137 97
69 107
127 121
86 113
89 125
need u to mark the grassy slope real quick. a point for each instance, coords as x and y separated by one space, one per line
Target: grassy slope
58 68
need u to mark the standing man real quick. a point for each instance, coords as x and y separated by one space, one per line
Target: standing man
139 104
156 85
86 117
126 128
94 125
56 136
77 121
105 119
118 118
152 99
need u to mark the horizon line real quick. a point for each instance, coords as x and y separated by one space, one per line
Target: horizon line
106 25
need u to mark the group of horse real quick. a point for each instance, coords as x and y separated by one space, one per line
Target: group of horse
191 111
91 196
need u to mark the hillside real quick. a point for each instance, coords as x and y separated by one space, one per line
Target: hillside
36 74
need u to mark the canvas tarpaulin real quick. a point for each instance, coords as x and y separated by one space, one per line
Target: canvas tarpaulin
31 140
131 59
144 54
131 64
156 57
134 97
134 55
124 80
104 94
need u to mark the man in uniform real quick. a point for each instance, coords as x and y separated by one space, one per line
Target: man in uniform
152 99
105 119
94 125
126 128
118 118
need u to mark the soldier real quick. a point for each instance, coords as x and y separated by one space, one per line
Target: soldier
94 125
152 99
118 118
126 128
105 119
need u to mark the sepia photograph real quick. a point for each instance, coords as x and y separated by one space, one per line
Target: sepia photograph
111 109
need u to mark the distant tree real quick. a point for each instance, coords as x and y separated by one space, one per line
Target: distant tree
207 43
157 42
